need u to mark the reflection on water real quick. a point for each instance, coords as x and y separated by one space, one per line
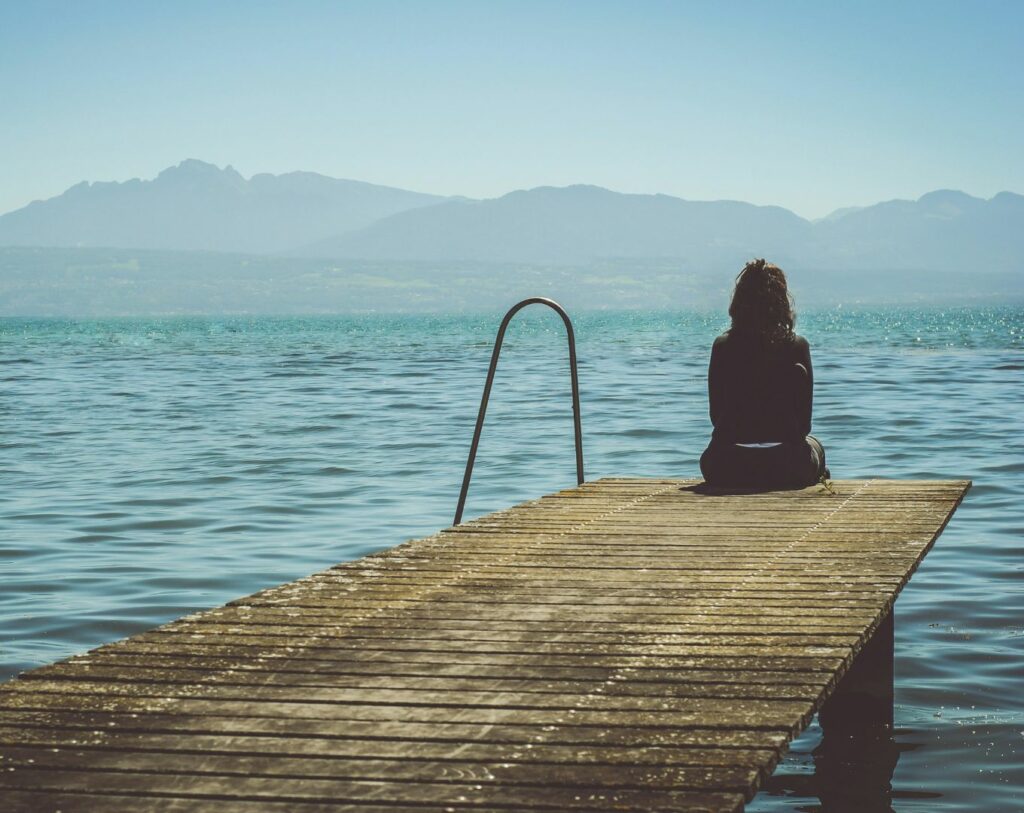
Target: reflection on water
856 758
855 775
153 467
852 777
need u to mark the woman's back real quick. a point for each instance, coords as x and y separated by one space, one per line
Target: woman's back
757 391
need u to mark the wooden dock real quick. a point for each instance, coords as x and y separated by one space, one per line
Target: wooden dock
628 645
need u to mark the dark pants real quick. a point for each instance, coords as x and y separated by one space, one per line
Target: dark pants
794 464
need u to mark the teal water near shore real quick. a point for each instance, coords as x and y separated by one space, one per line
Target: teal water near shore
152 467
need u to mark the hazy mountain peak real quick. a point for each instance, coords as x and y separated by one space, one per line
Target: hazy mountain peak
948 203
193 168
947 196
196 205
573 190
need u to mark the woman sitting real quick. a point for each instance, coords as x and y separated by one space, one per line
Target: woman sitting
760 386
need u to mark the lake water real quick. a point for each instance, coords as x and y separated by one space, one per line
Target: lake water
152 467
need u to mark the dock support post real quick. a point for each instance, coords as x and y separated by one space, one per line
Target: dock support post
854 764
861 704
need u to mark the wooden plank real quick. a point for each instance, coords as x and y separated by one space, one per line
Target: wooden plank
35 801
157 722
473 794
630 644
32 738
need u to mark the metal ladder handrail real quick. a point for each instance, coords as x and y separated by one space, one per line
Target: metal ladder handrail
538 300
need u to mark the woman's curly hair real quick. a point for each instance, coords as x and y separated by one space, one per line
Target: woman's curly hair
762 307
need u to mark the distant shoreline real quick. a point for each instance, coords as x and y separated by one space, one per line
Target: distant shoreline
96 282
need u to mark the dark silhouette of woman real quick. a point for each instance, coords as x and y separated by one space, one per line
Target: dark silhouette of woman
760 389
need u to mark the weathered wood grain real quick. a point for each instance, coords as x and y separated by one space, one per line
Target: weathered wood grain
628 645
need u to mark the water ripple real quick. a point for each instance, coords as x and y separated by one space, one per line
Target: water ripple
154 467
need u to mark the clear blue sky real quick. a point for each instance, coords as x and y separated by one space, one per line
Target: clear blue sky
809 105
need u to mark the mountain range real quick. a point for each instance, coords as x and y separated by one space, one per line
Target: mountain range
196 206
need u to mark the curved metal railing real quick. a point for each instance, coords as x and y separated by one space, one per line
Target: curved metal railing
538 300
